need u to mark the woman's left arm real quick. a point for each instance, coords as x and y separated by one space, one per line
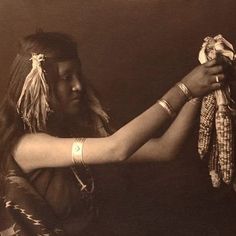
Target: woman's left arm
168 146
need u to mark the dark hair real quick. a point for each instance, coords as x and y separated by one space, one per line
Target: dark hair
58 46
53 44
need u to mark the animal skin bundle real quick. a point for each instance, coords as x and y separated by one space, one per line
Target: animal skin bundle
216 124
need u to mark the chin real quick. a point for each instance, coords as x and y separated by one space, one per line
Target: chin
72 112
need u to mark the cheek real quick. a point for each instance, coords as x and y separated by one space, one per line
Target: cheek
62 90
61 94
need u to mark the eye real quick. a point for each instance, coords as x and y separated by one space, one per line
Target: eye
67 77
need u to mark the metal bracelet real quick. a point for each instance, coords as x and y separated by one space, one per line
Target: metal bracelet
184 89
77 151
167 107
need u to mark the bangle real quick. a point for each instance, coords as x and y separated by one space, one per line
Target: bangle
77 151
184 89
167 107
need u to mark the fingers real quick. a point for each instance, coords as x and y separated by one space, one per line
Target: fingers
216 86
218 65
217 78
211 63
218 69
213 68
219 60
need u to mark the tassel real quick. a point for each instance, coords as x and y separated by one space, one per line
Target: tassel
33 102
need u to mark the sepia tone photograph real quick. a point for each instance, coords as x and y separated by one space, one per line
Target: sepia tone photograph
117 118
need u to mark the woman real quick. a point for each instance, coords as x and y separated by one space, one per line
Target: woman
53 127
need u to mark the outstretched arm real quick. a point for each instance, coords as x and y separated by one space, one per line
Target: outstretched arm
168 146
41 150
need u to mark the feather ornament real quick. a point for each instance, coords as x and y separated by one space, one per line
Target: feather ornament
33 104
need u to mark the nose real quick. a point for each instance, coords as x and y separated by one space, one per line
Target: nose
76 84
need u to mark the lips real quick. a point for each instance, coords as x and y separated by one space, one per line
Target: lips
76 96
76 99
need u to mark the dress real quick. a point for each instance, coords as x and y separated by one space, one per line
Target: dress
45 202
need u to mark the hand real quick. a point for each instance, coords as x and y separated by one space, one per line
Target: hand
203 79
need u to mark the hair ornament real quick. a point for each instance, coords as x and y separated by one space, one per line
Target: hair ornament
32 104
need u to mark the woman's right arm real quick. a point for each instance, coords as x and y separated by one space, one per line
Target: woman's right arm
41 150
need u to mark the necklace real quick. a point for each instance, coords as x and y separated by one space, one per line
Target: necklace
84 178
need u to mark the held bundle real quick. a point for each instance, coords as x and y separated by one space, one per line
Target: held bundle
216 124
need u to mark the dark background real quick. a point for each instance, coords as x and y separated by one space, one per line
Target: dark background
133 51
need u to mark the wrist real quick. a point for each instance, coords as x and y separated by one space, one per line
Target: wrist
167 107
175 98
185 90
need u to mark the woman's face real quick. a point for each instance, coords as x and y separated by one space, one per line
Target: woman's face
68 89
